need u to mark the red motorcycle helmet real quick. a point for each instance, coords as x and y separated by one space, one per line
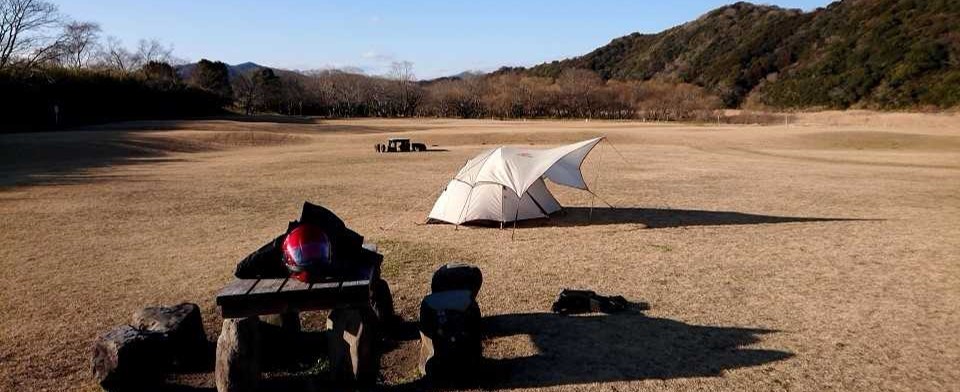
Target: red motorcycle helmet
307 253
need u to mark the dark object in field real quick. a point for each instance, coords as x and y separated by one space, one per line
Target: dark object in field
182 328
586 301
400 145
450 335
457 276
267 262
129 359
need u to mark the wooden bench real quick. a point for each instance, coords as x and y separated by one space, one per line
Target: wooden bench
352 328
254 297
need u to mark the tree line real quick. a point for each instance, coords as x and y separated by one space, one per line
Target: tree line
55 71
575 93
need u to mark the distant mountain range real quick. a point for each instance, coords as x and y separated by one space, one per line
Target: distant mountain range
883 53
873 53
186 70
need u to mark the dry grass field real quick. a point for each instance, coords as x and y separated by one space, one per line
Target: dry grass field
820 255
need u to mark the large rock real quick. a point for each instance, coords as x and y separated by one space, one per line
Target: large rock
238 355
128 359
352 346
183 327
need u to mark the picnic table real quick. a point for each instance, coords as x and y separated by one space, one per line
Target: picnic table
352 323
255 297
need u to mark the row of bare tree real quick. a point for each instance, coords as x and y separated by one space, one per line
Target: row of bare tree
576 93
34 33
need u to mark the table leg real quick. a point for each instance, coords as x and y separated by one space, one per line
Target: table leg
352 345
238 355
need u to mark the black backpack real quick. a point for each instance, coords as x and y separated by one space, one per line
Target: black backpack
451 320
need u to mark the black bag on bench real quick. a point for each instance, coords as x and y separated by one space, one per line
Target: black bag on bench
267 262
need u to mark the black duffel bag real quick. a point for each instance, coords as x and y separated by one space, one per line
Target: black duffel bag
587 301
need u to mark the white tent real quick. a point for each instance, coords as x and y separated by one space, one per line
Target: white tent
506 184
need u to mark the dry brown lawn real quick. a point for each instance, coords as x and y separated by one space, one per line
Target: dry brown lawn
823 255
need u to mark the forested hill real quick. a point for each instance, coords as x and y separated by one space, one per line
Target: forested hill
873 53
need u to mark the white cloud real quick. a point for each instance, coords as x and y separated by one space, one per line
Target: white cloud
377 56
375 19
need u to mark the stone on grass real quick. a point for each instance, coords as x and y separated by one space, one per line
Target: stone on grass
128 359
183 327
238 355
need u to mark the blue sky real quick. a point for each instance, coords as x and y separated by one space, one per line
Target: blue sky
439 37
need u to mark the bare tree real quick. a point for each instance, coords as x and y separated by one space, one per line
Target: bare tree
79 42
23 24
152 50
408 95
113 55
244 93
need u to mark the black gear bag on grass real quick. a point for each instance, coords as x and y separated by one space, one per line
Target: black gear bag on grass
587 301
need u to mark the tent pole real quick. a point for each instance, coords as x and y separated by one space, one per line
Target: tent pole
460 218
501 207
602 199
515 218
596 181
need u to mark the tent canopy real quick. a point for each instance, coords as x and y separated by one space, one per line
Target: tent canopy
506 183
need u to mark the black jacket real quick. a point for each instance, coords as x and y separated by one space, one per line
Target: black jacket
267 262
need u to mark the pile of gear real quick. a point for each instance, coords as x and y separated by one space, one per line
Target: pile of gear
319 246
316 246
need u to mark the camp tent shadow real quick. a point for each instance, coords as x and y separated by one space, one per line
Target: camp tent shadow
654 218
619 347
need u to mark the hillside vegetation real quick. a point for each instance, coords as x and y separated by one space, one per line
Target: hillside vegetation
875 54
871 53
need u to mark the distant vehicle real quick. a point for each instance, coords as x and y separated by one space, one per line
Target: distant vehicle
400 145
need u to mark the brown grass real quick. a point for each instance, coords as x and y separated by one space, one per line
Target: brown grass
820 255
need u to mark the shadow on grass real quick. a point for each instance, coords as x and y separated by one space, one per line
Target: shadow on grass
568 351
657 218
58 158
586 349
264 118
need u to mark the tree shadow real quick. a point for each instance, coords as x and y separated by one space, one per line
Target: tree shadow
597 348
657 218
264 118
59 158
